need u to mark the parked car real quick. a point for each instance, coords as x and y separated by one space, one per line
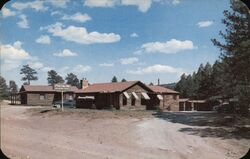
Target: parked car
66 104
224 108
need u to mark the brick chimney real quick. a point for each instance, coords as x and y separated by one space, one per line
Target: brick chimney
84 83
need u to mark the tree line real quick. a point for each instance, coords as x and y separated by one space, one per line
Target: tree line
229 76
30 74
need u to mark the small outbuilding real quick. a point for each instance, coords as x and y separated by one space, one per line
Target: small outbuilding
186 104
43 95
164 98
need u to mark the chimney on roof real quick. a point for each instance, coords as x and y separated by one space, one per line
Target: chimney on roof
158 81
84 83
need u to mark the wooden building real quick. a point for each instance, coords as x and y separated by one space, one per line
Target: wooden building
42 95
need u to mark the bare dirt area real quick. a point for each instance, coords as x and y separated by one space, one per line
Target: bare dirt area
38 132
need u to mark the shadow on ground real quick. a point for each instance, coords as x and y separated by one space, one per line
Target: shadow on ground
209 124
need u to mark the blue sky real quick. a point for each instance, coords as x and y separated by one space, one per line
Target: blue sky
97 39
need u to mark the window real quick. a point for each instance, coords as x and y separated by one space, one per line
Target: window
143 101
124 100
133 101
42 96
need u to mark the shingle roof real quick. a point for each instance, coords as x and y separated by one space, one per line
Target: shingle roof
108 87
44 88
160 89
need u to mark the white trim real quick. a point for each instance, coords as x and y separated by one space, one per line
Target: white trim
159 97
145 95
135 95
86 97
126 95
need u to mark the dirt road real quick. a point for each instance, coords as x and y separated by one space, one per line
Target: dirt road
36 134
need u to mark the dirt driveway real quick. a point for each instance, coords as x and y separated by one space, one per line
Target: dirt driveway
38 133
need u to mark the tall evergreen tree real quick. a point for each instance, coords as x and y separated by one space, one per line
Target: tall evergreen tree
13 87
235 52
29 74
54 78
123 80
3 88
181 86
114 79
204 90
217 84
72 80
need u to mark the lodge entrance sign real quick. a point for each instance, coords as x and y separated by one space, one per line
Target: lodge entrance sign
61 87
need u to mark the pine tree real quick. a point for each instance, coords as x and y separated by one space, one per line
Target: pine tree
3 89
72 80
114 79
235 52
13 87
29 74
54 78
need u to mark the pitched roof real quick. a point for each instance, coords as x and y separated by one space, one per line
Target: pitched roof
43 88
160 89
108 87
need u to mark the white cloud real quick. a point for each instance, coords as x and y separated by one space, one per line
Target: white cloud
203 24
130 60
7 12
46 69
143 5
106 64
100 3
43 39
134 35
64 70
176 2
65 53
168 47
78 17
36 5
55 13
23 23
59 3
35 64
78 69
12 56
158 68
80 34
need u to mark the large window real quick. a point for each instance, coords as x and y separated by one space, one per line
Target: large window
42 96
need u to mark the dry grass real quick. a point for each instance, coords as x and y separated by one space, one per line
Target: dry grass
90 113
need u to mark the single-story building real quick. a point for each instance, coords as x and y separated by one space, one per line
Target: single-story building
119 95
186 104
165 98
126 95
43 95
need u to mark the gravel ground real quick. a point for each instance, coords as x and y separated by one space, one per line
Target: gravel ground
40 133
